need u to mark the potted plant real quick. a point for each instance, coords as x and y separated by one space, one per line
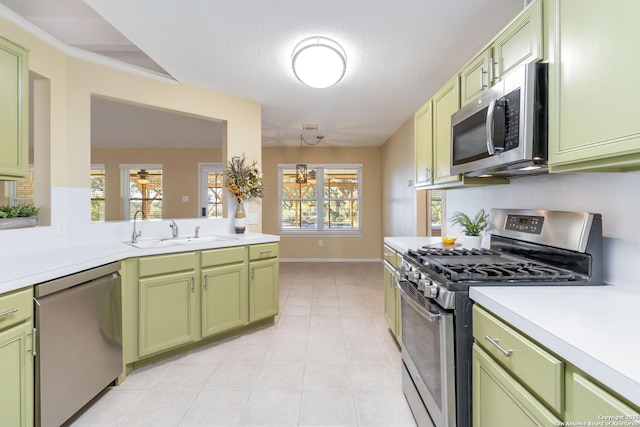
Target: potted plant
243 182
19 216
472 227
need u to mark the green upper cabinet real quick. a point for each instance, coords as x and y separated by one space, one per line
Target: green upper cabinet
475 77
14 111
520 43
445 102
593 85
424 145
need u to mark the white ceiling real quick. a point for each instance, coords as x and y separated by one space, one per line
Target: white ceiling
398 52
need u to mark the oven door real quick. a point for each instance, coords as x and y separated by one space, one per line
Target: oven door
428 354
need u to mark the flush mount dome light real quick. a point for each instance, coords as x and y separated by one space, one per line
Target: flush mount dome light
319 62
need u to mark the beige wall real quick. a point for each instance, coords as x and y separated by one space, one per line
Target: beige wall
404 209
73 81
364 247
180 176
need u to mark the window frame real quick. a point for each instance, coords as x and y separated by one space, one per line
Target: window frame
125 172
100 166
320 200
203 186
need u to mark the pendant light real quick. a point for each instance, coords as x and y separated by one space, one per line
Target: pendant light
302 175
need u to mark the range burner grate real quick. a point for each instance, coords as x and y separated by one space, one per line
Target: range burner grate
524 271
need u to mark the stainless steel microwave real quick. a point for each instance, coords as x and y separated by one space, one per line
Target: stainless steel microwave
503 132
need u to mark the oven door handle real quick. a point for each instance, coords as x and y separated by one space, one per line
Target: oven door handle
430 316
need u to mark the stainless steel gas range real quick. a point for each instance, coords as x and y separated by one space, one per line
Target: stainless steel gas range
528 248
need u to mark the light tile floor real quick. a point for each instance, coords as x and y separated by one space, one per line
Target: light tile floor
329 360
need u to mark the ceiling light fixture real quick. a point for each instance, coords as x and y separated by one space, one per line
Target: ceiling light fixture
319 62
301 168
143 177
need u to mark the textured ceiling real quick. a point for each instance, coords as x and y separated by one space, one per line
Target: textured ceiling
398 52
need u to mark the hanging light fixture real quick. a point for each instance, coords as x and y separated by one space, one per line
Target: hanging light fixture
319 62
143 177
301 168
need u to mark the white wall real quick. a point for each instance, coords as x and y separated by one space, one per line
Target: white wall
616 196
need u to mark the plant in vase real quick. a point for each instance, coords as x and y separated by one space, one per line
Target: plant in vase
243 182
472 227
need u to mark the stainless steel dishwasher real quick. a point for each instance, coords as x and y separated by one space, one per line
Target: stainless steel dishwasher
79 341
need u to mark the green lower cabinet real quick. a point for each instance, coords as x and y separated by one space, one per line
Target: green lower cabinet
224 298
263 289
500 400
16 376
167 316
588 403
390 299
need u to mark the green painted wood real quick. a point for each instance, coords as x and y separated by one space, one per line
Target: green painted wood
14 111
167 316
592 97
169 263
588 403
536 368
223 256
423 145
16 372
263 289
521 42
130 309
445 102
225 294
500 400
390 306
476 77
18 306
264 251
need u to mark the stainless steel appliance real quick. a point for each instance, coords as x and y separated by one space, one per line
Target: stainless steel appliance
79 341
504 131
528 248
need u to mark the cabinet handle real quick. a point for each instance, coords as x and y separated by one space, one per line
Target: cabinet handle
496 342
268 251
193 284
8 312
33 342
482 73
253 276
429 177
206 281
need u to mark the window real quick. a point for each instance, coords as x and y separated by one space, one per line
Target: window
211 184
23 192
436 212
97 193
329 202
142 191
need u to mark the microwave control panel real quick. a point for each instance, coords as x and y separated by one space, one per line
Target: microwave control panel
511 105
524 223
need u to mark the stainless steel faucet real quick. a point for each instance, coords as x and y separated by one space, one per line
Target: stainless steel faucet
174 229
197 234
136 234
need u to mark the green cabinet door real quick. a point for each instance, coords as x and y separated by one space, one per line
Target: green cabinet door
500 400
16 376
594 87
390 306
445 102
224 298
14 111
588 403
475 77
520 42
263 289
423 141
167 312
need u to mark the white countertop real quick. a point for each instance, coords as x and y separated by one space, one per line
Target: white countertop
595 328
403 244
22 270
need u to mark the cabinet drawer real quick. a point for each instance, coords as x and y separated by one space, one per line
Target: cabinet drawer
267 250
536 368
223 256
391 256
16 307
170 263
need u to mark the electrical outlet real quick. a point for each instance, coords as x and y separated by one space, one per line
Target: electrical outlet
61 227
320 242
252 219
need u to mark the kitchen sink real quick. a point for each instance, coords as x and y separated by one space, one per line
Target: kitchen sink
178 241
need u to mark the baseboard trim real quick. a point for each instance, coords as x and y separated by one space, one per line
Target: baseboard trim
330 260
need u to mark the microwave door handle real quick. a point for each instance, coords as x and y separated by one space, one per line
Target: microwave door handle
491 148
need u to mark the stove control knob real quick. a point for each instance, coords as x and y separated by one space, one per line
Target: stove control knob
430 291
423 284
413 276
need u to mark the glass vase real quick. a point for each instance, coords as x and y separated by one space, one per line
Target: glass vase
240 222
